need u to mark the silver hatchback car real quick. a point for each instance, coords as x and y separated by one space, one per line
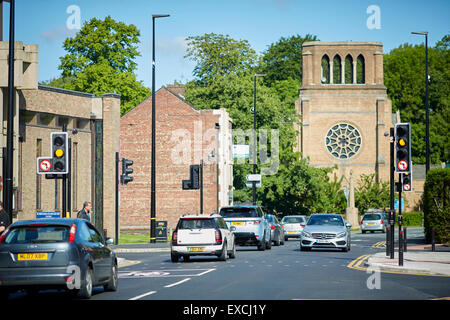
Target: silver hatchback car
373 221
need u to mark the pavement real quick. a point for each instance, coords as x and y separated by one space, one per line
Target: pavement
419 259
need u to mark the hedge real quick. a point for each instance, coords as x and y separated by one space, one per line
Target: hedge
436 208
412 219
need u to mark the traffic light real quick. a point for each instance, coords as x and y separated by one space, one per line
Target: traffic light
406 182
194 178
403 148
124 177
59 141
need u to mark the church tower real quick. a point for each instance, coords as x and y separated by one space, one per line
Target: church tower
344 108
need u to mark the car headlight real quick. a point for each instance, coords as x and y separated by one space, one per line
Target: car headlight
306 234
341 235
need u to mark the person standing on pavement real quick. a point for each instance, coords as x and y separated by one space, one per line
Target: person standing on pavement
85 212
4 219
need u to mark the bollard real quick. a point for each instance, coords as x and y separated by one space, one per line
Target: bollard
433 246
405 249
388 250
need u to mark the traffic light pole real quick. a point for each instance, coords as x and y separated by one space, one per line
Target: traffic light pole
400 234
64 185
392 182
116 236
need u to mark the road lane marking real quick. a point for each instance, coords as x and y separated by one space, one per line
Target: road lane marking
142 295
177 283
205 272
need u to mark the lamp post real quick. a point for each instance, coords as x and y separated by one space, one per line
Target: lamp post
10 120
153 169
254 134
427 120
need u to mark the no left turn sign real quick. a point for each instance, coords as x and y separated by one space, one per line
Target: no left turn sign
402 165
45 165
407 187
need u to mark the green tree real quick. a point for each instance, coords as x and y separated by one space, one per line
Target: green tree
99 40
283 59
100 60
404 78
219 55
371 194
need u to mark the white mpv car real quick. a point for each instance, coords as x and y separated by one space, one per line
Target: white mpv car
202 235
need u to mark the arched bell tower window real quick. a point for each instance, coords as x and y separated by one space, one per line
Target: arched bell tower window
360 69
337 69
325 70
348 69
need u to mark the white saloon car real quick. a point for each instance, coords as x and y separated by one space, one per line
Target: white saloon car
206 235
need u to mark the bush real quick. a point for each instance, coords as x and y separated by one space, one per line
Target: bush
412 219
436 209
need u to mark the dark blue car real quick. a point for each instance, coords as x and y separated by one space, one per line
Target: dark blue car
56 253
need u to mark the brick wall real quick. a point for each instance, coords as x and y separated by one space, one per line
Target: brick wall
182 140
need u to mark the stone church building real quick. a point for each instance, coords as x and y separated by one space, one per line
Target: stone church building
344 108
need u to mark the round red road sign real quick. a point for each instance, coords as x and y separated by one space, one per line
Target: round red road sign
45 165
407 187
402 165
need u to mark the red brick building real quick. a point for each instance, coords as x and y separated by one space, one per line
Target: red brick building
184 136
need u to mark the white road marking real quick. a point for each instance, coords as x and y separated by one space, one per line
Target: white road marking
177 283
205 272
142 295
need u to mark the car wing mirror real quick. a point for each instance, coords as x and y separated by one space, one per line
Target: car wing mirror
109 241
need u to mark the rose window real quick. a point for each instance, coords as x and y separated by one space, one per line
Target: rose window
343 141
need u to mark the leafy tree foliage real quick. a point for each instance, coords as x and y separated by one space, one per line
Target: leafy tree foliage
100 60
371 194
404 74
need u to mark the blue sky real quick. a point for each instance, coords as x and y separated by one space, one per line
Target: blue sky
261 22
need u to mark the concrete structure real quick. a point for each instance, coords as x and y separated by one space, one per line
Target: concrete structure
93 126
184 137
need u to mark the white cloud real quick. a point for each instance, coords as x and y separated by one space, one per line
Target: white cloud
56 34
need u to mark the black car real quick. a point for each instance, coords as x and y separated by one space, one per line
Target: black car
56 253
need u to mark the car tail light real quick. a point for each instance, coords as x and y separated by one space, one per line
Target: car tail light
257 221
361 222
272 227
4 235
72 233
218 237
282 225
174 237
382 222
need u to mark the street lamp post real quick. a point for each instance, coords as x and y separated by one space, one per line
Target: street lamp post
153 168
10 120
254 134
427 120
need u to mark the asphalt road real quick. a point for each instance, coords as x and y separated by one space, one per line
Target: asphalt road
282 273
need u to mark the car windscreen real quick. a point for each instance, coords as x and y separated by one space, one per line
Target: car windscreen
37 234
372 216
287 220
238 213
325 220
197 223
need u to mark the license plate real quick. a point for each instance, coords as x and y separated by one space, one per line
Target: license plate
237 223
321 241
371 223
292 231
196 249
32 256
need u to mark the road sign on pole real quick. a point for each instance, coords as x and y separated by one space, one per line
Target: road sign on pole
44 165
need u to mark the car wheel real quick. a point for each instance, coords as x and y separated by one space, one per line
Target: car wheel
304 248
363 232
186 258
232 254
278 241
262 245
223 255
112 284
174 257
85 291
286 238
